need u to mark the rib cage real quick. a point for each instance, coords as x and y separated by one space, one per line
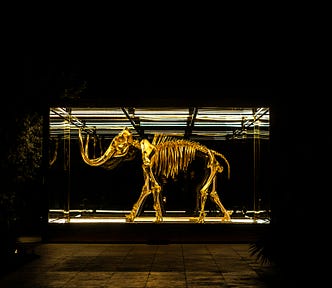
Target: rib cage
172 157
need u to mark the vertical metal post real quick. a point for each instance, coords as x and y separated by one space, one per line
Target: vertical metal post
67 167
45 168
256 148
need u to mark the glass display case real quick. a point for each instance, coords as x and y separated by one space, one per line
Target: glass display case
159 164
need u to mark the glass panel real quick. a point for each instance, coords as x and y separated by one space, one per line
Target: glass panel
108 183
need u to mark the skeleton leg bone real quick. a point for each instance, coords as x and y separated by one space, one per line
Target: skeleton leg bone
214 168
134 211
214 196
156 203
145 192
155 188
203 194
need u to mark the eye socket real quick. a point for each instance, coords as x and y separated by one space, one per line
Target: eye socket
121 139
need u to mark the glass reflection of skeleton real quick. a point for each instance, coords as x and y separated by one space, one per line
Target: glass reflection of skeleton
164 156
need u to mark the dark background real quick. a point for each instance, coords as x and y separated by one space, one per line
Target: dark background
270 57
260 69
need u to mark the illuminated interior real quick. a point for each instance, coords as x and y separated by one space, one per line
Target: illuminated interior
196 123
79 193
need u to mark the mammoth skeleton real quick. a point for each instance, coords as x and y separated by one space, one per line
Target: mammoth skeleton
166 157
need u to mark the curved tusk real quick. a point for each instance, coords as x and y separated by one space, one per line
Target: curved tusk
85 152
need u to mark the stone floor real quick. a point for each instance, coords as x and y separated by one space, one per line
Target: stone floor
141 265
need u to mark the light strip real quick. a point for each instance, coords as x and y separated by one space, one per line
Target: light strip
163 124
152 219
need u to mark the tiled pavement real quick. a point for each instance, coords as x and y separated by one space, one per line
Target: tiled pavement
141 265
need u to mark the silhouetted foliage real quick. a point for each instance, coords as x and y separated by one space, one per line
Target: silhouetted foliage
263 250
25 156
21 170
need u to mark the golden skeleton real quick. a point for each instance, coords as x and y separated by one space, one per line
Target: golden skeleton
164 156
